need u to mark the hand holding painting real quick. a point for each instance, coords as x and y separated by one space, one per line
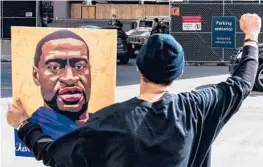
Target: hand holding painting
16 115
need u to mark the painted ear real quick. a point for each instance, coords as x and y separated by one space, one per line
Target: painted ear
35 75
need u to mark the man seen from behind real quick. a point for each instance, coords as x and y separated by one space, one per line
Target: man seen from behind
157 128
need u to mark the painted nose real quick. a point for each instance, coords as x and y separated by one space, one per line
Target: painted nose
69 78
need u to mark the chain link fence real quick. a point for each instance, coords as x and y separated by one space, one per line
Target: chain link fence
14 13
197 44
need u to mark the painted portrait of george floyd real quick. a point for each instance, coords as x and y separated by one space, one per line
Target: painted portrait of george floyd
62 76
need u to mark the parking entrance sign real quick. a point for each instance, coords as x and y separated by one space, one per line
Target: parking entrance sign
224 32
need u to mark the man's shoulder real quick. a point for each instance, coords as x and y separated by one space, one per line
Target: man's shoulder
186 96
112 108
119 106
106 109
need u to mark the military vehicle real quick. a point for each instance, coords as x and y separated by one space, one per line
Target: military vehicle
143 27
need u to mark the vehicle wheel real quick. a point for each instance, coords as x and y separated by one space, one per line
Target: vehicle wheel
259 78
124 60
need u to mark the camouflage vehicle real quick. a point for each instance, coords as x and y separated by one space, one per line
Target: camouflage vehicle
143 27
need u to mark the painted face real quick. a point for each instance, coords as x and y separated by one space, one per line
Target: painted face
64 76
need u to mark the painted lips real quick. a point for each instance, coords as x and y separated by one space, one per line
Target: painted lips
70 94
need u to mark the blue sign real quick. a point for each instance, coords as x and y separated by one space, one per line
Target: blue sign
224 32
21 148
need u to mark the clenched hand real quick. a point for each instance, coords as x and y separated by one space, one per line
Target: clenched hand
250 24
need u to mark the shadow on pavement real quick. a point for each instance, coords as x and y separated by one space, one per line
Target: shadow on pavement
204 71
127 75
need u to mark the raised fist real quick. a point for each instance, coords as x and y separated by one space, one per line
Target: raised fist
250 24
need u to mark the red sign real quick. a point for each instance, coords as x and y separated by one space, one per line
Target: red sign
192 19
175 11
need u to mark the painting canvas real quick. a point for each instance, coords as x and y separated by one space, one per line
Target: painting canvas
61 75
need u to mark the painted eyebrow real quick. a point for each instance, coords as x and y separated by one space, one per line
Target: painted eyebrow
56 60
75 60
63 62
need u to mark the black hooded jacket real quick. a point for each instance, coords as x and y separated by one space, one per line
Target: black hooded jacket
176 131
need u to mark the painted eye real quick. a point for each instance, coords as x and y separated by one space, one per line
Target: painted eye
79 66
53 68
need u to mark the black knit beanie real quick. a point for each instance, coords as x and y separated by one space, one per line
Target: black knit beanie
161 59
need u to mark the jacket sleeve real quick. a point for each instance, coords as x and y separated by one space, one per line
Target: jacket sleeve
221 101
66 151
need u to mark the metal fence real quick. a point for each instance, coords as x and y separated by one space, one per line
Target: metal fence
197 44
73 23
17 13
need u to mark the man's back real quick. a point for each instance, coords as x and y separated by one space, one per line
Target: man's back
177 130
155 135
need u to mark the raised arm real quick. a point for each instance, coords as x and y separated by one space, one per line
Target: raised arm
221 101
